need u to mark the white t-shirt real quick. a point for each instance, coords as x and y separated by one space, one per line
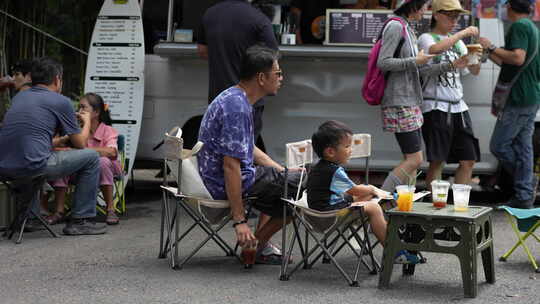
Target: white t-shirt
447 86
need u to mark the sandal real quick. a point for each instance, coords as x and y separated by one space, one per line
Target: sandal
55 218
112 218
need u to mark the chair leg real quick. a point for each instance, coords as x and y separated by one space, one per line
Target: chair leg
521 241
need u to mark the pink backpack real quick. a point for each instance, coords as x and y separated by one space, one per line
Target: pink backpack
375 80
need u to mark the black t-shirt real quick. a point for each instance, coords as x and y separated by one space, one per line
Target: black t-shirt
228 29
311 9
322 193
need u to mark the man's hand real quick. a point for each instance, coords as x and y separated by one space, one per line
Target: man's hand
244 236
484 42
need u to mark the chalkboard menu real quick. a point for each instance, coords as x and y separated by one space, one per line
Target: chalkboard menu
362 27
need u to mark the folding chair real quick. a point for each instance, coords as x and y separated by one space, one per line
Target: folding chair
523 220
193 198
119 182
327 228
25 191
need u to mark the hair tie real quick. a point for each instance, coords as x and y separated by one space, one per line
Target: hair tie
106 107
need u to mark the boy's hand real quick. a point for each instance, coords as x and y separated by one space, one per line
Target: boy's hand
381 193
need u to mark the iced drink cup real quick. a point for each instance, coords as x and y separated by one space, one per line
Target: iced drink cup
248 255
405 197
439 193
461 197
474 51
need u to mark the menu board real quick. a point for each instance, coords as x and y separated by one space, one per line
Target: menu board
115 67
362 27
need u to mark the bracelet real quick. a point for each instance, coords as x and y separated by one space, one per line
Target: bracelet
244 221
491 48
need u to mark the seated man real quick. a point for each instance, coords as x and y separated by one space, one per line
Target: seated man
226 161
27 143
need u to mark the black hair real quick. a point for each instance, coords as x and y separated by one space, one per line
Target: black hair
23 66
328 135
520 6
97 104
257 59
44 70
410 7
266 7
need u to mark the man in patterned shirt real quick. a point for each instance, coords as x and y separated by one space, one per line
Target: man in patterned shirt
228 157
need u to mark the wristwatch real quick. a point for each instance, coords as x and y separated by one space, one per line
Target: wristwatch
235 223
491 48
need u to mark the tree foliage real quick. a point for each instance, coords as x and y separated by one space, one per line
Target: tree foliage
69 20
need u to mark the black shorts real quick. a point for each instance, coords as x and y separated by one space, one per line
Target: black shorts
409 142
268 190
449 142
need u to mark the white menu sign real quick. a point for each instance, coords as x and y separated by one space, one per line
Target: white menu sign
115 68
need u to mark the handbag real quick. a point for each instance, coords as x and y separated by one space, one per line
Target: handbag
503 88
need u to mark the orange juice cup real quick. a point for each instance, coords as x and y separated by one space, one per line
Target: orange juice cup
405 197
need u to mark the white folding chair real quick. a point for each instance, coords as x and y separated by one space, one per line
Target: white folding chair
326 228
193 198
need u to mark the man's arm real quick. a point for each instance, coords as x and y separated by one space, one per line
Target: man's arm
202 50
262 159
513 57
500 55
233 187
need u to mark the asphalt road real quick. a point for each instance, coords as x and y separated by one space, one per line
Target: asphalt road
122 267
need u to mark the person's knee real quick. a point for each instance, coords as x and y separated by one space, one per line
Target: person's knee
104 163
467 164
415 160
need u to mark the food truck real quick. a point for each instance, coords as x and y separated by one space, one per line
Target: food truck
321 82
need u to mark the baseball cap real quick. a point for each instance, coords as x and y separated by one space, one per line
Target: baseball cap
447 5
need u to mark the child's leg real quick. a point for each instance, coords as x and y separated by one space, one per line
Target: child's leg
376 219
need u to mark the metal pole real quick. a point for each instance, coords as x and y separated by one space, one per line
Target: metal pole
170 21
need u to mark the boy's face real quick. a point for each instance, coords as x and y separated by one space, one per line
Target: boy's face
342 152
20 79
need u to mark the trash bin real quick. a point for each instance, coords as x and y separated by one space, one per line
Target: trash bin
7 207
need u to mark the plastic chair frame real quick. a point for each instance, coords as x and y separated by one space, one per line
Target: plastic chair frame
330 238
521 240
119 183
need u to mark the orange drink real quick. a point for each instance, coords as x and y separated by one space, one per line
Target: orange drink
405 197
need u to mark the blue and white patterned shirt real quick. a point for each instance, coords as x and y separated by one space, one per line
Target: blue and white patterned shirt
226 130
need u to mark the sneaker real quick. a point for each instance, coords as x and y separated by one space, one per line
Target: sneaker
269 248
83 227
405 257
269 259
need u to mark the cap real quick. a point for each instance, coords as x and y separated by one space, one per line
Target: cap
447 5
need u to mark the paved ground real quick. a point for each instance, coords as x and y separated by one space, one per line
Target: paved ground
122 267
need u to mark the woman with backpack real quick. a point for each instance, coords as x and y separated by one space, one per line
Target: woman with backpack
403 65
447 128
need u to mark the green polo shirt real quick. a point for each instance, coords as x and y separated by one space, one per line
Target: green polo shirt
523 34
